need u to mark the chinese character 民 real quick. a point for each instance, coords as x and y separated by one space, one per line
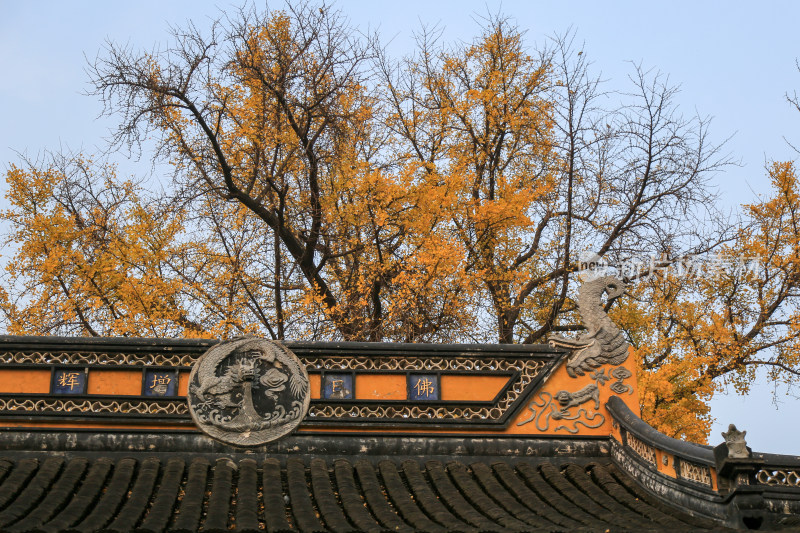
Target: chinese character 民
160 383
424 386
337 387
338 391
69 379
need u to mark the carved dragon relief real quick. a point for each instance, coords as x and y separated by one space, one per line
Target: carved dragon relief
248 391
602 343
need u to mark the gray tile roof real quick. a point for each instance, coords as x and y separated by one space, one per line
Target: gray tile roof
51 493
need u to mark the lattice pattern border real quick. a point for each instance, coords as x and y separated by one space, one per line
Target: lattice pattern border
781 477
58 405
642 449
694 472
100 358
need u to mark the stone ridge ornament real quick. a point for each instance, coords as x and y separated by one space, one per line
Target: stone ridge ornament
248 392
737 446
603 343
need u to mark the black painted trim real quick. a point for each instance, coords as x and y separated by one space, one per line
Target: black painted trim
139 344
682 493
130 441
79 370
164 369
438 387
632 423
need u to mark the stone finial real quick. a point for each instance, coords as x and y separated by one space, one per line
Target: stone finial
737 446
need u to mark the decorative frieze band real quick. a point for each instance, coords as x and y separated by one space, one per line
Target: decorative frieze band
71 370
528 369
95 406
645 451
99 358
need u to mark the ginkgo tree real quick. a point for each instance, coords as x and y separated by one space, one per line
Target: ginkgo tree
292 222
323 190
528 169
90 254
699 326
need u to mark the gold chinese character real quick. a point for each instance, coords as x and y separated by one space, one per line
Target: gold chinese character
160 383
338 392
69 379
424 386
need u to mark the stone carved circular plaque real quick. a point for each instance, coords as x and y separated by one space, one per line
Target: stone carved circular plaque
248 392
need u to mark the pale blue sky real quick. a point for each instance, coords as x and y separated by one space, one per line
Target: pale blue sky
733 60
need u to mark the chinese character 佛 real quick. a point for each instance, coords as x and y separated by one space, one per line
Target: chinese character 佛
425 386
160 383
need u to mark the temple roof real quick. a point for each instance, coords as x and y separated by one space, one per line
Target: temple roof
149 493
96 435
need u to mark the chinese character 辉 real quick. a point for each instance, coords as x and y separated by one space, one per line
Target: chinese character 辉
69 379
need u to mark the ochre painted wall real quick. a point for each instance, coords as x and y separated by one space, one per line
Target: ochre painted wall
540 414
381 387
114 382
459 388
24 380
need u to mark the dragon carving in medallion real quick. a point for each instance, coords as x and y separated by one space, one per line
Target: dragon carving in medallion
248 391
